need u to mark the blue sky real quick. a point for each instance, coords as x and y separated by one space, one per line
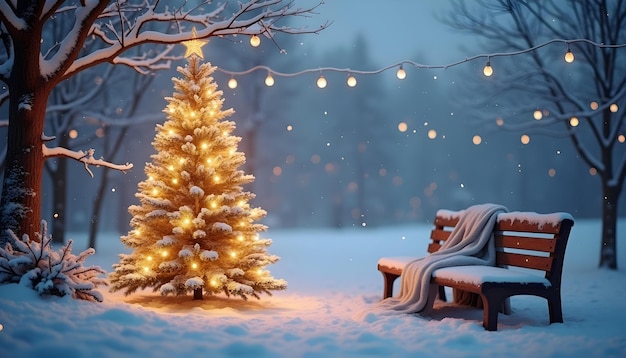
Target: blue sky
396 29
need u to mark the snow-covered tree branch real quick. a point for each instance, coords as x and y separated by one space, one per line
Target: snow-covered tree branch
86 158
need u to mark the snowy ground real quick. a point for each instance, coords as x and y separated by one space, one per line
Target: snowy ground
332 276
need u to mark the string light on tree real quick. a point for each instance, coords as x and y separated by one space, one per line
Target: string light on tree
488 70
255 41
401 74
569 56
232 83
321 82
351 81
193 206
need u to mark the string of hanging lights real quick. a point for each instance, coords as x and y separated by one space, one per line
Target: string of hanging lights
351 80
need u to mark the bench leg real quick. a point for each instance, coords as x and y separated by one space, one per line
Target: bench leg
491 306
388 279
442 293
554 308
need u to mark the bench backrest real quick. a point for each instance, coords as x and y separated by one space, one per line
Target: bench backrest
523 239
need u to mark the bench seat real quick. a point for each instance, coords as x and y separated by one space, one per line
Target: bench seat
477 275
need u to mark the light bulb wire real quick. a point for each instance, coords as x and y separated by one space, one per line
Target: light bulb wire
413 63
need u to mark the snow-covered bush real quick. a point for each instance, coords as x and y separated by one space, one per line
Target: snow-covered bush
35 264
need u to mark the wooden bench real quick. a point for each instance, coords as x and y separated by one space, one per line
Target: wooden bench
530 249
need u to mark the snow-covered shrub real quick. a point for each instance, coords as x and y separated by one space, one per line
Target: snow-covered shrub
35 264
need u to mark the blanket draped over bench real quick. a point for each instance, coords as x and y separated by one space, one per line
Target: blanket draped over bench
470 243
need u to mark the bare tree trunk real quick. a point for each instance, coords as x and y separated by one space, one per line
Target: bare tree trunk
21 187
96 209
608 250
59 196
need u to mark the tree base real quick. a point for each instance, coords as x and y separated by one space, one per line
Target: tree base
197 294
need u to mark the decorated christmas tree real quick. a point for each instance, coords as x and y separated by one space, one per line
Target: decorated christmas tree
195 230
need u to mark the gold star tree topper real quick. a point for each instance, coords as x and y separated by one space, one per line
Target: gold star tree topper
194 46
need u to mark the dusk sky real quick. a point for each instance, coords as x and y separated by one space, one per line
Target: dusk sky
396 29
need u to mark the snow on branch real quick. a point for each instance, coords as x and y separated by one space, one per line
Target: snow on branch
132 23
86 158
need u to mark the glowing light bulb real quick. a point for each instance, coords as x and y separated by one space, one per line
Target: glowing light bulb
321 82
233 254
255 41
194 265
269 80
240 237
569 56
204 146
537 114
614 108
573 122
149 258
164 253
488 71
146 269
351 81
216 179
174 181
401 74
232 83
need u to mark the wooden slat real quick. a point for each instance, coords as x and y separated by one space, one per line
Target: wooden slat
525 226
526 261
433 247
446 221
439 235
525 243
393 270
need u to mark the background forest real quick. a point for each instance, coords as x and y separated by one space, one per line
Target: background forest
387 151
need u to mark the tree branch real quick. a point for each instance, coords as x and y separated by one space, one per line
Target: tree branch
252 18
84 157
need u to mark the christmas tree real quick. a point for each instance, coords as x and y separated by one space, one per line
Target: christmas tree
195 230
